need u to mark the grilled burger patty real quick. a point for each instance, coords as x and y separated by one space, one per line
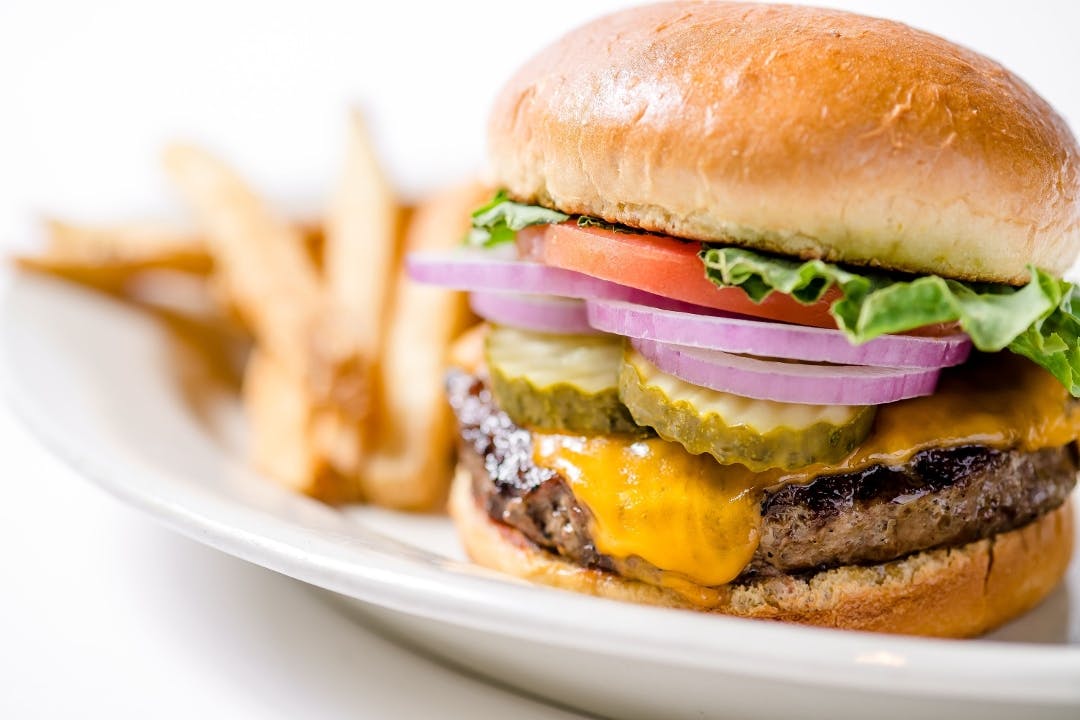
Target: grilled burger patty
940 497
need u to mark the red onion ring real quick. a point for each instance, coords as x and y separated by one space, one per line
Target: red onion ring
539 313
787 381
478 271
749 336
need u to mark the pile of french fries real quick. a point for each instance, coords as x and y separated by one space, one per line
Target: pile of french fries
342 386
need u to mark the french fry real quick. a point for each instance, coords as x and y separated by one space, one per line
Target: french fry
272 281
152 244
277 415
106 256
362 231
289 437
360 253
410 462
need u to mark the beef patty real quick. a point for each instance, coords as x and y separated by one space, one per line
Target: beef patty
940 497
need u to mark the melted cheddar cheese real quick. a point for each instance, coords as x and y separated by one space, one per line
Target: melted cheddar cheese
680 512
696 520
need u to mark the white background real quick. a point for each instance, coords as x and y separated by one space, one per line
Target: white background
103 613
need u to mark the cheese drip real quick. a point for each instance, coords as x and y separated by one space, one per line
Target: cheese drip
698 521
683 513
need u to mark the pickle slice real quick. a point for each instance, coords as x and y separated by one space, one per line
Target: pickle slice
760 434
559 382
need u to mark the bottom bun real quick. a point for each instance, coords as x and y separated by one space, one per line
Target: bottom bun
948 592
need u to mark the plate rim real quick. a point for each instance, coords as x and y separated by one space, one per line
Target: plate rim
1037 674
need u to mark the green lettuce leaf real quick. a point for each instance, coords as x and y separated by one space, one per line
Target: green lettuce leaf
1054 342
1039 320
498 221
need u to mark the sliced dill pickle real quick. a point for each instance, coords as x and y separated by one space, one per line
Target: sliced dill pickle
558 382
760 434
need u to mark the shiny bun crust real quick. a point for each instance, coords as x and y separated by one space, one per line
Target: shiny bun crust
954 592
808 132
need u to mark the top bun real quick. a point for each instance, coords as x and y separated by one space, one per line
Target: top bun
807 132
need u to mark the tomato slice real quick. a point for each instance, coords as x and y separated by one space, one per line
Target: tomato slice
661 265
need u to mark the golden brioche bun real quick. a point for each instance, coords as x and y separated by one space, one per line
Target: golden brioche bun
952 592
808 132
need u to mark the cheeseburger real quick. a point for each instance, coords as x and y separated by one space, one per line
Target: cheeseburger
775 324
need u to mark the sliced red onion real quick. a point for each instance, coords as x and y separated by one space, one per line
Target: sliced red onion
479 271
540 313
788 382
714 330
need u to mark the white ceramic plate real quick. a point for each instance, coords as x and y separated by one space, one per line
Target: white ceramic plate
109 390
